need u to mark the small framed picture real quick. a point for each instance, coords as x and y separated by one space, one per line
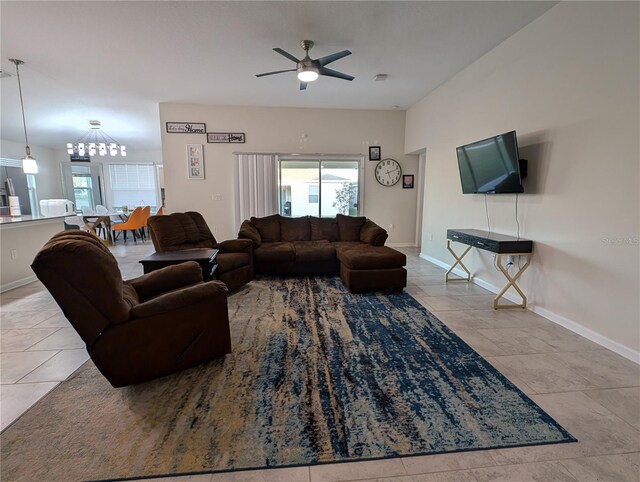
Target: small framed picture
195 161
374 153
407 181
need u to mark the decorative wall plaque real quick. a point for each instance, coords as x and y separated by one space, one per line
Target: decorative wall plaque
225 137
186 127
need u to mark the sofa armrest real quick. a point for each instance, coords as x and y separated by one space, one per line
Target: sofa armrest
166 279
179 299
235 246
249 231
373 234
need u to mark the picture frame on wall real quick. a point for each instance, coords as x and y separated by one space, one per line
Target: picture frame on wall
407 181
195 161
375 153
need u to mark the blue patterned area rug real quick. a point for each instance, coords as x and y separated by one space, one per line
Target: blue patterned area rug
317 375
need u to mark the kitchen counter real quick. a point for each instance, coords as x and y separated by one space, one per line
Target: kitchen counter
27 218
20 240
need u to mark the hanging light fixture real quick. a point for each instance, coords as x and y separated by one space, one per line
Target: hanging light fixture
29 164
95 140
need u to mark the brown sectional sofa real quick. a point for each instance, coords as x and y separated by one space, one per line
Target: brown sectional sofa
351 246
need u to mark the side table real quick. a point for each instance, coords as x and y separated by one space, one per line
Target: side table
205 257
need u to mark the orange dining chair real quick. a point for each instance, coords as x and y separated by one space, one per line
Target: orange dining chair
146 213
160 211
133 224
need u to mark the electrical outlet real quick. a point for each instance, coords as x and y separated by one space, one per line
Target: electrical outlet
14 254
391 226
217 197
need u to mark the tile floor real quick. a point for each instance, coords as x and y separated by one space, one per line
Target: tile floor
593 392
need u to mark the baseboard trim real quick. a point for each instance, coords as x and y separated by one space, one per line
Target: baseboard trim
17 283
401 245
571 325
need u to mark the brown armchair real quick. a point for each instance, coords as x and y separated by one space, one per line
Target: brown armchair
139 329
178 231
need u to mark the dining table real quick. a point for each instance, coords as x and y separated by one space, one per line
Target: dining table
95 221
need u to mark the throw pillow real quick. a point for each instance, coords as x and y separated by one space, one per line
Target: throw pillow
349 227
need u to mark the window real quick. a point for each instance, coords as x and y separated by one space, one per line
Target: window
314 193
319 187
133 185
82 187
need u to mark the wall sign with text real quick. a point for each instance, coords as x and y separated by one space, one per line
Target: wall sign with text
225 137
186 127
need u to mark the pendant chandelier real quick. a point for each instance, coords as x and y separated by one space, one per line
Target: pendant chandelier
29 164
96 141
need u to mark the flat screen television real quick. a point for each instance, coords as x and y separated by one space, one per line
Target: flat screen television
490 166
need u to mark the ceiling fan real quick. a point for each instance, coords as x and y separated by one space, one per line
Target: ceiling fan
309 69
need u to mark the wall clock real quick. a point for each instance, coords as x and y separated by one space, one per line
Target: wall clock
388 172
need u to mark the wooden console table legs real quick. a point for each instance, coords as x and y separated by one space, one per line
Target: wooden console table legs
458 262
511 281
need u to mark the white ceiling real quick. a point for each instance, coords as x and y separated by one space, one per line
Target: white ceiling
115 61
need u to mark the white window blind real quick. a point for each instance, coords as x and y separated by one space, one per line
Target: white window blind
133 185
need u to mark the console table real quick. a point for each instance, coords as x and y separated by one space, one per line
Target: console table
500 244
205 257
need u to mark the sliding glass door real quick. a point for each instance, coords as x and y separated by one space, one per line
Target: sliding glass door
319 187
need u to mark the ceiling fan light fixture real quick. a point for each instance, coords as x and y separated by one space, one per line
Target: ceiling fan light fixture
307 74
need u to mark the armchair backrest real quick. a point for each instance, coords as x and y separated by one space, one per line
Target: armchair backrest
177 231
83 277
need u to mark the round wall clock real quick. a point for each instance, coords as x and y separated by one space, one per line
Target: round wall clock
388 172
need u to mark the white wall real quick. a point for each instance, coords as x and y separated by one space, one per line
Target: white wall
270 129
569 84
48 180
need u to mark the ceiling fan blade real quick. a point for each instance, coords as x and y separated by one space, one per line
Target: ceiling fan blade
322 61
286 54
275 72
303 86
335 73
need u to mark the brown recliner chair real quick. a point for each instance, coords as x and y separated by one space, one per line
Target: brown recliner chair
139 329
178 231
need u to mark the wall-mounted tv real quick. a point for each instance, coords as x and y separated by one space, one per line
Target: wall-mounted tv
490 165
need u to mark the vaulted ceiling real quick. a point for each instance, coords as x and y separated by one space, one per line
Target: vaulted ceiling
115 61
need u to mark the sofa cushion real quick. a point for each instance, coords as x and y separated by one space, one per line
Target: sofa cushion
314 251
295 229
249 231
373 234
323 228
371 257
274 252
347 245
268 227
349 227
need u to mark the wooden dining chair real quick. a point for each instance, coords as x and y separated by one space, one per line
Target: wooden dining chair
160 211
133 224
